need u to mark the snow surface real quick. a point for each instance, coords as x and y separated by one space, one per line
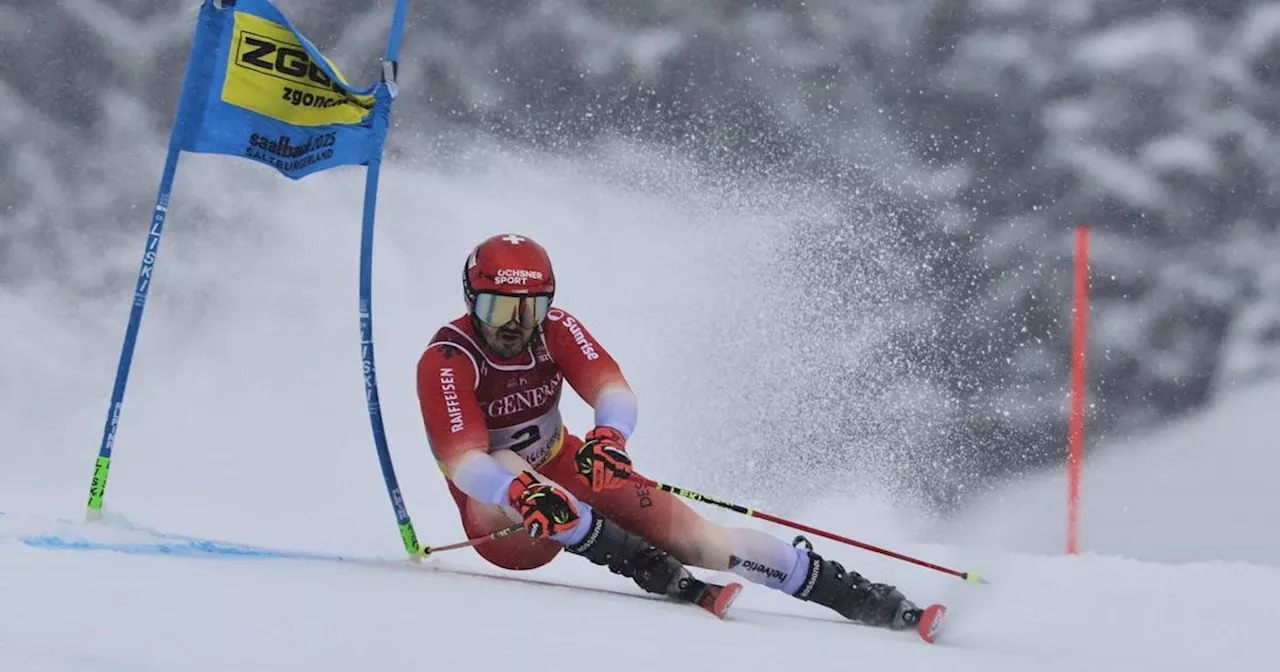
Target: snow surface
122 612
245 423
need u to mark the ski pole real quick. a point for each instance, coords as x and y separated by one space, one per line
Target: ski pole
971 577
426 551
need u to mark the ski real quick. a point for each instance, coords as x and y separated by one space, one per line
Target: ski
716 598
931 622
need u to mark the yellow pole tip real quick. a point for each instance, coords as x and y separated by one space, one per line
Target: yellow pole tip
972 577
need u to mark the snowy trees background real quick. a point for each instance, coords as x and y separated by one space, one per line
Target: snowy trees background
970 135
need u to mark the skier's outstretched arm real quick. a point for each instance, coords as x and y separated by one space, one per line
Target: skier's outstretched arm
447 378
591 371
597 378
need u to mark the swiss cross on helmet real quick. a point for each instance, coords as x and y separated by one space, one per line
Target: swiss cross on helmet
509 277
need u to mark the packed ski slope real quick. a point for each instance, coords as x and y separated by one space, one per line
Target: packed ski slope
245 424
68 610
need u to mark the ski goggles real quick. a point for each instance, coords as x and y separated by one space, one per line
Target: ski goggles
496 310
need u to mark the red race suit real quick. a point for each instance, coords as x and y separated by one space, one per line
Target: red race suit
473 404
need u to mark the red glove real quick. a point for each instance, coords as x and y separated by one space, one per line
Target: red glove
602 460
546 509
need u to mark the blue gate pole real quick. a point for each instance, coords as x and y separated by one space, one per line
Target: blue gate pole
382 113
102 466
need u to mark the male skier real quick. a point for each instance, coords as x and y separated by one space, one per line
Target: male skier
489 385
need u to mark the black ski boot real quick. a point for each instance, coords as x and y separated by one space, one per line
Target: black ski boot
632 556
854 597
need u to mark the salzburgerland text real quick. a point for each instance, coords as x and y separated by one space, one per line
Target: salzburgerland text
277 152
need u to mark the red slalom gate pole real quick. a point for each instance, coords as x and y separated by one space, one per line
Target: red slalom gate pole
971 577
1079 332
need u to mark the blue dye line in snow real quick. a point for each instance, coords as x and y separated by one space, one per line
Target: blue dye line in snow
173 547
151 542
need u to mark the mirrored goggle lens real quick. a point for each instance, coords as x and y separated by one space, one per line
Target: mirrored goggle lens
496 310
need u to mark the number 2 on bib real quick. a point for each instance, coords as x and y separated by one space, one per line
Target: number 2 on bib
525 437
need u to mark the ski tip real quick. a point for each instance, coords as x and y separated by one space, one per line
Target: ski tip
931 622
725 597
